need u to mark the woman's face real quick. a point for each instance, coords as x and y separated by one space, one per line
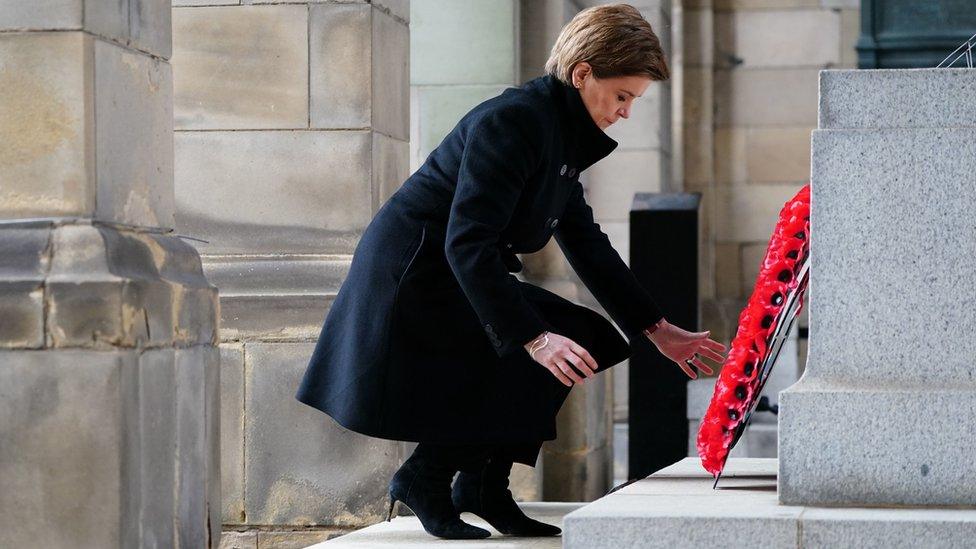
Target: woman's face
608 99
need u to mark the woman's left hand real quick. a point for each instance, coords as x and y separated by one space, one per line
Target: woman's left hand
684 347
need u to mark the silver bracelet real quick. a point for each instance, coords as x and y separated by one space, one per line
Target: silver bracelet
533 348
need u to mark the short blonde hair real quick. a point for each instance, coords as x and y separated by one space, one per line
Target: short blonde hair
614 39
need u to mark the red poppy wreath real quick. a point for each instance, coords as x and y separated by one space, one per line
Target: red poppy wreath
764 323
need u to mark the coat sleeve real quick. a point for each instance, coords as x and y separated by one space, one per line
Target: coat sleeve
601 269
501 150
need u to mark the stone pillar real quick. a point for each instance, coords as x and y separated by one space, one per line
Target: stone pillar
884 413
291 130
108 365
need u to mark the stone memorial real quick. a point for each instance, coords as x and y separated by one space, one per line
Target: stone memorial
876 438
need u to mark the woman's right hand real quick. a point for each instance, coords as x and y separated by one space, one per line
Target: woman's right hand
561 355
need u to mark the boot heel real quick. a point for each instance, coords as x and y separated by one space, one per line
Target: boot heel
389 515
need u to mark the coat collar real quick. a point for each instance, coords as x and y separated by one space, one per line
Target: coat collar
589 142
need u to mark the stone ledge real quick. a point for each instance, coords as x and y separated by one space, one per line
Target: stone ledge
676 507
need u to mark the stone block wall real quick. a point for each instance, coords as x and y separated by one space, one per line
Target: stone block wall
292 129
109 371
750 89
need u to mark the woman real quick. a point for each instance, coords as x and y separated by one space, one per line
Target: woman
432 339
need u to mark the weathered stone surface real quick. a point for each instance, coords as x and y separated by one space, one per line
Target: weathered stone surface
280 274
391 167
24 260
391 76
298 539
40 14
765 97
477 29
241 67
232 433
105 289
786 38
748 213
291 450
153 444
274 317
903 98
133 137
340 65
50 408
193 383
397 8
778 155
47 93
617 177
212 444
151 29
224 196
239 540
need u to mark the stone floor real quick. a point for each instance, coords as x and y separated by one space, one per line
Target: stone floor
406 531
677 508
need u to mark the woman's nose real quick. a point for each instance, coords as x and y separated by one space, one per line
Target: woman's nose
624 112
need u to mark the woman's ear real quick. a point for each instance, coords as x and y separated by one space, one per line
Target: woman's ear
580 72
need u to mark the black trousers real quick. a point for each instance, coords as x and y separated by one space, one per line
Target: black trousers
470 457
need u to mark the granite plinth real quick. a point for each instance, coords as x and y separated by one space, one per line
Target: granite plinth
677 508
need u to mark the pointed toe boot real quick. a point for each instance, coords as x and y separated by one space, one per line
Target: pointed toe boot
485 493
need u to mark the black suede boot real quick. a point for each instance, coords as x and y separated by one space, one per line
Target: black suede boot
423 483
485 493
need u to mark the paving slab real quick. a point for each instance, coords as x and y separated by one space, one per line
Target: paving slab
406 531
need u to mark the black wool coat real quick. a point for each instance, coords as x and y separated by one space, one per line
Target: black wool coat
424 341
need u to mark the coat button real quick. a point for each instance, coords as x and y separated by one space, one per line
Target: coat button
554 223
497 343
562 171
572 172
509 245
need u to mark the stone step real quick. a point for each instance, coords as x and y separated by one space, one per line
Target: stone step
897 98
677 508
